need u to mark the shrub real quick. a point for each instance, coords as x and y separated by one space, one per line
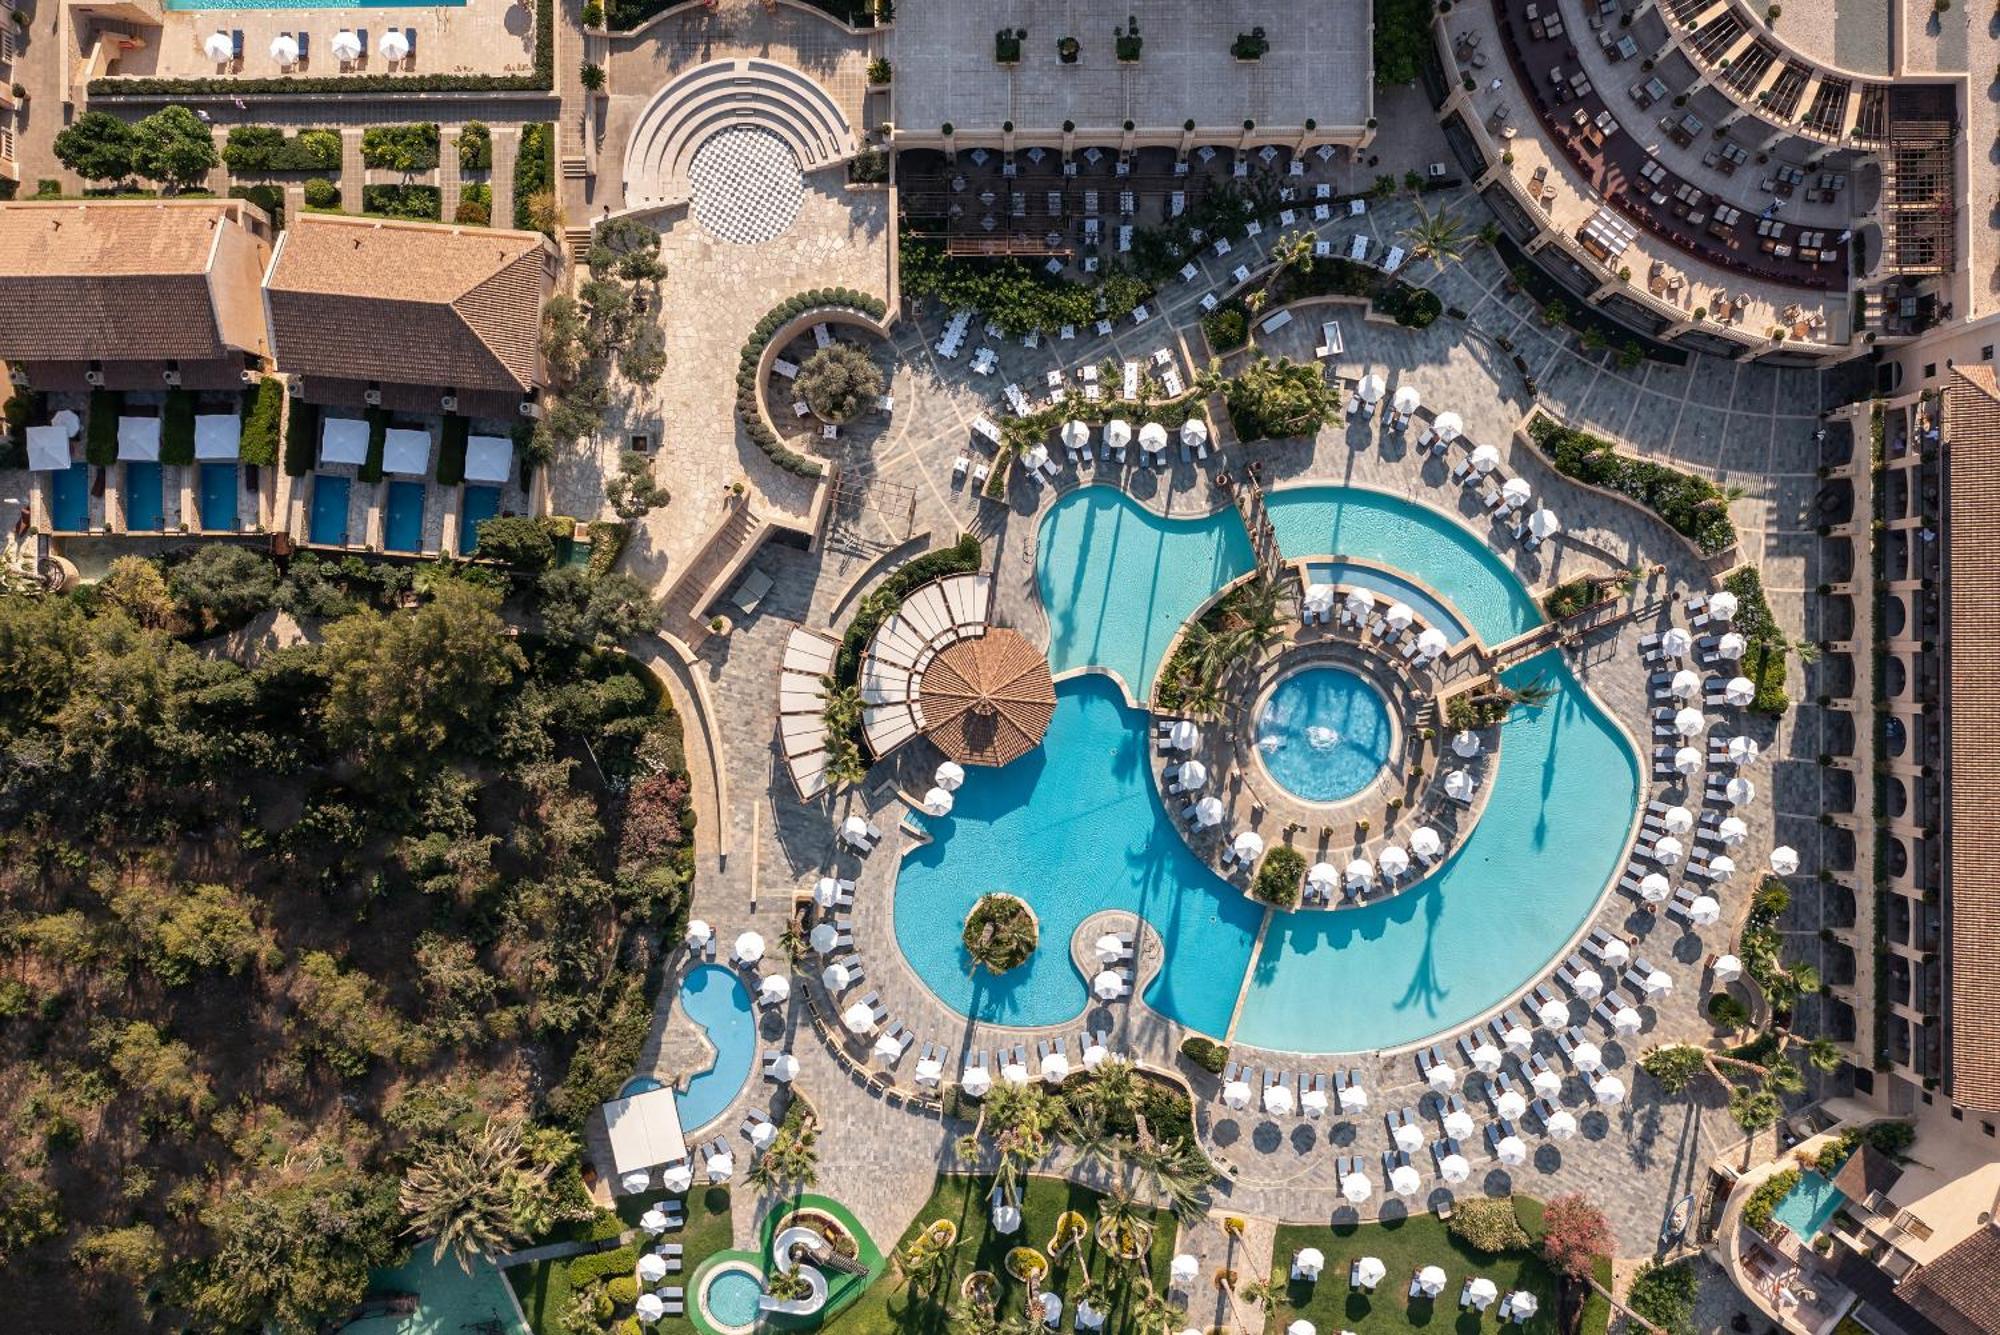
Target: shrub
322 194
451 450
1768 648
301 439
1273 399
1488 1224
177 428
1000 933
839 380
1692 506
401 148
262 407
1206 1053
1727 1011
534 171
1763 1200
1250 45
378 438
100 432
1279 877
879 70
475 205
1226 327
518 542
1674 1065
420 203
1575 1234
1018 299
252 149
475 147
623 1289
1665 1294
269 198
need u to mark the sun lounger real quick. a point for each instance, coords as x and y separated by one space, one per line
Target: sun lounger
751 1121
305 48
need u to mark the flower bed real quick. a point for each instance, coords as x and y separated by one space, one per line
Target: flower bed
748 408
1000 933
1692 506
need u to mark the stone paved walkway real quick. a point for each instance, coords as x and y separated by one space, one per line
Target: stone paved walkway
1745 426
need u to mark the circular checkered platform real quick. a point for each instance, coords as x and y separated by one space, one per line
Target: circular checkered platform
745 186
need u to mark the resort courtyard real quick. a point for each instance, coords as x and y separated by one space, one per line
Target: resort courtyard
890 1027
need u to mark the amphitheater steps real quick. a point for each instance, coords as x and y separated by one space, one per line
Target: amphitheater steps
728 94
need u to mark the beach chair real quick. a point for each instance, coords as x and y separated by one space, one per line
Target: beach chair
361 36
236 45
751 1121
410 40
305 49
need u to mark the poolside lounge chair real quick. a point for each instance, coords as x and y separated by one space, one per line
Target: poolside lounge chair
361 36
752 1119
305 49
236 45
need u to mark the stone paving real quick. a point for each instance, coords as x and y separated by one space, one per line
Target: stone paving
1745 426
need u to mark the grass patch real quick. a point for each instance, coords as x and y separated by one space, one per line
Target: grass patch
547 1289
892 1308
1404 1246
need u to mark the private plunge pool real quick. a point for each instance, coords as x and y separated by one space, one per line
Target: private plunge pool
1078 826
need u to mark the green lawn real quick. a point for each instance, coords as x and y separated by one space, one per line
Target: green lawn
1404 1246
546 1287
892 1308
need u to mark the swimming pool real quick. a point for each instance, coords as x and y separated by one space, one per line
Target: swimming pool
218 496
638 1084
328 526
449 1299
1388 583
195 6
731 1297
1560 807
715 998
1323 733
403 524
69 499
145 508
1807 1206
479 505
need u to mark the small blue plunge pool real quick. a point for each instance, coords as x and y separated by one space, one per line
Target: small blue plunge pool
145 510
328 527
1807 1206
69 499
218 496
403 525
1324 733
479 505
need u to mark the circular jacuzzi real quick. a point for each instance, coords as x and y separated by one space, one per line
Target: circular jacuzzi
730 1297
1323 733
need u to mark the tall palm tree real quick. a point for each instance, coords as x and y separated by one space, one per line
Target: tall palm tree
926 1261
1091 1140
1824 1054
462 1192
1293 250
1440 236
1151 1315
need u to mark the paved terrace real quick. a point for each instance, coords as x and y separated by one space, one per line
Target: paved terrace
1317 67
1741 424
472 37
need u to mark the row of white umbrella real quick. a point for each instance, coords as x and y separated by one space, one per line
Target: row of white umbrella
346 45
977 1081
1280 1101
1118 434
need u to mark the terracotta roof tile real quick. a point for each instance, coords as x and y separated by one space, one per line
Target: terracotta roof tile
988 701
410 303
112 280
1972 691
1960 1290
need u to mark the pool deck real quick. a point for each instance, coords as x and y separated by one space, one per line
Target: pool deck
1739 424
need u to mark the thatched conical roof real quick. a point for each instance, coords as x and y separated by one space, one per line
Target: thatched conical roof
987 701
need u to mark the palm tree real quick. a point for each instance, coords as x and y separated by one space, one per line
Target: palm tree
1091 1140
1150 1314
462 1192
927 1260
1293 250
1824 1054
790 1160
1119 1215
1177 1173
1439 236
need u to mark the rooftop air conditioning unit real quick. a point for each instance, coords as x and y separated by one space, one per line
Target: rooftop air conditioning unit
18 376
529 408
372 397
171 377
296 386
251 377
449 403
95 379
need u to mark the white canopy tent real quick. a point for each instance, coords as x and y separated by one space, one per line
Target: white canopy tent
488 458
139 439
645 1131
343 440
217 436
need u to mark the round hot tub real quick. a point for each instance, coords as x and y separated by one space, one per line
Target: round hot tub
1324 733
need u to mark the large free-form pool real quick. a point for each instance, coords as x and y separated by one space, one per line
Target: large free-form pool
1117 582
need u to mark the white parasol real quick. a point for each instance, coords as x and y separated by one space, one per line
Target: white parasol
1449 426
1466 744
1784 860
1675 642
949 776
937 802
1485 458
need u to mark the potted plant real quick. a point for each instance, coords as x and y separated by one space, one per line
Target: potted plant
1126 40
1007 45
1251 45
879 73
1068 49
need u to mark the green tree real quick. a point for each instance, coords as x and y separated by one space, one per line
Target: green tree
173 147
1272 399
1754 1109
635 493
96 146
135 1253
838 381
344 1016
791 1160
628 249
1439 236
579 608
29 1213
518 542
191 930
403 687
137 587
160 1071
1674 1065
223 585
464 1191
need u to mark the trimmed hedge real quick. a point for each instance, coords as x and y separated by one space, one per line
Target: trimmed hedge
534 170
378 438
401 148
322 194
1692 506
266 148
747 388
475 147
419 203
301 438
262 407
475 205
1767 645
177 428
1206 1053
451 450
100 431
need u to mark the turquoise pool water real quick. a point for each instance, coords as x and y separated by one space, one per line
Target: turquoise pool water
1428 609
218 496
328 525
1807 1206
1324 733
1117 582
403 522
450 1301
638 1084
1093 837
479 505
731 1297
145 508
69 499
715 998
1408 536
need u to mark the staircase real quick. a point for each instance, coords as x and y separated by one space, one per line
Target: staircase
700 580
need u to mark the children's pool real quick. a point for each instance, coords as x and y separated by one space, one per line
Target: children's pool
145 506
715 998
218 496
479 505
328 526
